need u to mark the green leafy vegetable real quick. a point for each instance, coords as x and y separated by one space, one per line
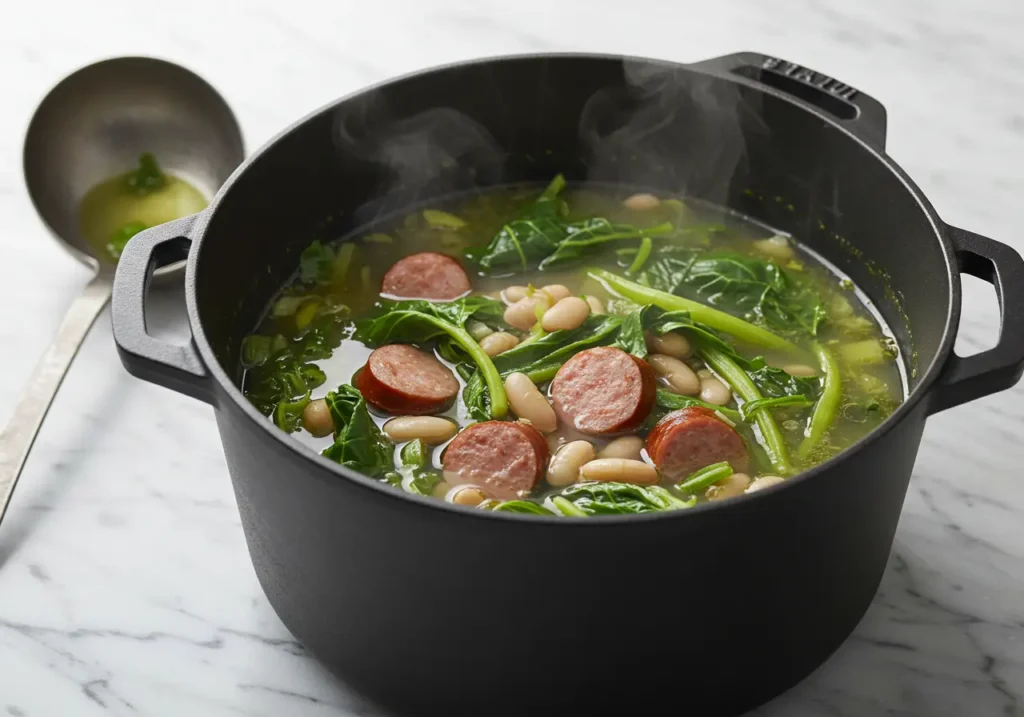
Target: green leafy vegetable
358 442
521 506
147 177
542 237
418 321
580 236
535 234
119 240
316 263
615 499
257 349
698 312
827 408
674 401
707 476
288 414
280 369
756 288
418 475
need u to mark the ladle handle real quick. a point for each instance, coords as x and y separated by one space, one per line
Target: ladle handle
19 434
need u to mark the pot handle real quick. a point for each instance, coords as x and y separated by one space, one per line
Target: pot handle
174 366
967 378
861 114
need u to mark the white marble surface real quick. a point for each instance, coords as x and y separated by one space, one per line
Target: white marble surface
125 586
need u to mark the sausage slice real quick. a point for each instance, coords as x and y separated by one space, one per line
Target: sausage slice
689 439
402 379
604 390
426 275
505 459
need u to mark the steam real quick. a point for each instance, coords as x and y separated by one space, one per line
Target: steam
668 128
431 153
664 127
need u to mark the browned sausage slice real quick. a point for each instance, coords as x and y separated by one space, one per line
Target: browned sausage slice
402 379
504 459
427 275
604 390
689 439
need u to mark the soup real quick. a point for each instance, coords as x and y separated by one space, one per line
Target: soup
572 351
114 211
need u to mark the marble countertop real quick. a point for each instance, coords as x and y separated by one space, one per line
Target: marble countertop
125 585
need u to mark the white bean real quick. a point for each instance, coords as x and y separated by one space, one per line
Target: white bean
729 487
714 391
642 202
566 463
512 294
466 495
763 482
621 470
441 490
429 429
595 304
680 377
316 418
704 373
800 370
776 247
498 343
528 402
668 344
523 313
625 447
569 313
557 292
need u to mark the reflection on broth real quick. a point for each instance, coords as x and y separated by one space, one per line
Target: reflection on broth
571 351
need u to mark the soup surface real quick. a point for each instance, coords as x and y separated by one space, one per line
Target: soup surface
572 351
114 211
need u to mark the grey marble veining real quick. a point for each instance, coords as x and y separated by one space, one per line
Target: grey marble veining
125 587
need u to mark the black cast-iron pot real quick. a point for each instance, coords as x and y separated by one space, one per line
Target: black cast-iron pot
430 608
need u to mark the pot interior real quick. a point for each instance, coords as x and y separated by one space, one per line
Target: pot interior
636 123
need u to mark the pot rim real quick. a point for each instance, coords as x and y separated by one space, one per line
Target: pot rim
304 453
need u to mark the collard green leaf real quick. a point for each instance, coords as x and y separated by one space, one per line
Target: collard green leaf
620 498
755 288
316 263
288 414
358 442
533 235
281 369
581 238
147 178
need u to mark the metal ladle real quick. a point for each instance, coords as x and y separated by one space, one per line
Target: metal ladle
93 126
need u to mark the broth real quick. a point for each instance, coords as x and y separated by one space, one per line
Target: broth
842 373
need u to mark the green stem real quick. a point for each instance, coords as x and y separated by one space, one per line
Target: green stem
827 408
554 188
707 476
641 256
674 401
744 387
491 376
742 330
